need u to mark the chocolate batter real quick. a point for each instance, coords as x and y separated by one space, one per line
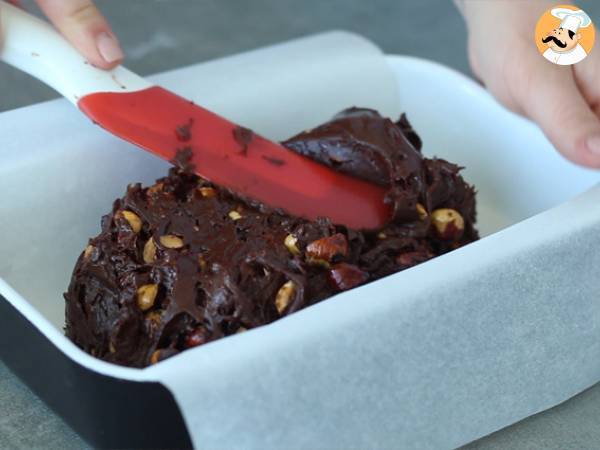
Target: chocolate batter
184 262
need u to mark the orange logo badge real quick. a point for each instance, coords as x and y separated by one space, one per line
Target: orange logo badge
565 35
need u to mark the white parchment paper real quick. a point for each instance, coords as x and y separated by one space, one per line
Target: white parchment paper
432 357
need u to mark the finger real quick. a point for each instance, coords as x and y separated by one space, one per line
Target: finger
87 30
549 95
586 77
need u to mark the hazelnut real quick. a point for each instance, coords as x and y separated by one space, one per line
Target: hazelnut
448 223
153 190
196 337
171 241
381 235
326 249
409 259
422 212
161 355
155 357
149 253
87 253
290 242
234 215
207 192
345 276
284 296
133 219
146 296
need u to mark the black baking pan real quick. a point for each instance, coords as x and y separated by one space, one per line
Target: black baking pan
107 412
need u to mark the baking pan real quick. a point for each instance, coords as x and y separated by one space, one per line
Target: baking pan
434 356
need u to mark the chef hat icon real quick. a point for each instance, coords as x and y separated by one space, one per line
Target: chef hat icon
572 20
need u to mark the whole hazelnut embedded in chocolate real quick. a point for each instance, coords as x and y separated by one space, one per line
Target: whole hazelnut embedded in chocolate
146 295
207 192
327 249
155 357
153 190
133 219
284 296
291 242
345 276
421 211
171 241
196 337
448 223
149 253
162 354
87 253
234 215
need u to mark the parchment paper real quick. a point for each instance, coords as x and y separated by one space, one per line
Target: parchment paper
432 357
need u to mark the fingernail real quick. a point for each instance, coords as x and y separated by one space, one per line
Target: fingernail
593 144
109 48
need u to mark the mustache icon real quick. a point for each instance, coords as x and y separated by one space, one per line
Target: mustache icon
556 41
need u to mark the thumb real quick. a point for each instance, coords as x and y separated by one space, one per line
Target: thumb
88 31
549 95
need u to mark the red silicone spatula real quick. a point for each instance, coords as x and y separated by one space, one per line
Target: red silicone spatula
158 120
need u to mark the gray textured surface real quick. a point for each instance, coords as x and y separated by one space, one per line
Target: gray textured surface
160 35
573 425
27 423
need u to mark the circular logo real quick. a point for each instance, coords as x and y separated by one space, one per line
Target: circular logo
565 35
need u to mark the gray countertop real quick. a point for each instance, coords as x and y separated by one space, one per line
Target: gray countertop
158 35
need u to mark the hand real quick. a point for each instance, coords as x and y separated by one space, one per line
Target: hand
563 100
85 28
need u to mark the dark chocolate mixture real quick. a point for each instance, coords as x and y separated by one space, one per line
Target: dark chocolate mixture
184 262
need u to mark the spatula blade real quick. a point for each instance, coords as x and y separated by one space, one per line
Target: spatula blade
229 155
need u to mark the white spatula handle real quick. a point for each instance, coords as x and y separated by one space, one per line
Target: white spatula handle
33 46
